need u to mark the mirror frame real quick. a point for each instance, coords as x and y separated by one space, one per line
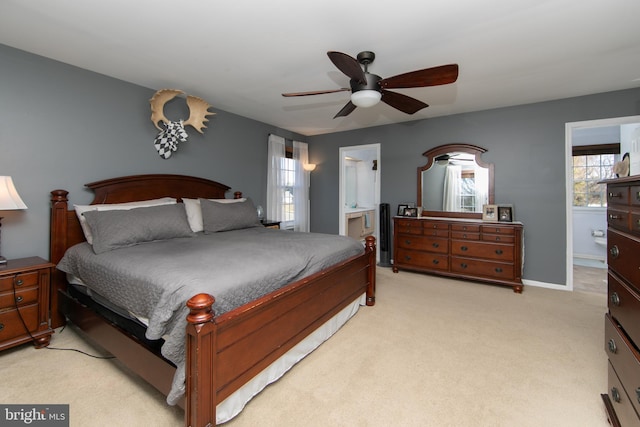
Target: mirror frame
448 148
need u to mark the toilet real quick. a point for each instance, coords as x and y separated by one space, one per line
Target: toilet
602 241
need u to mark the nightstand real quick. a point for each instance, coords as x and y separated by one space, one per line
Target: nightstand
269 223
24 286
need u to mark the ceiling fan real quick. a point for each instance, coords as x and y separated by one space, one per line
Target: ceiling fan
368 89
445 159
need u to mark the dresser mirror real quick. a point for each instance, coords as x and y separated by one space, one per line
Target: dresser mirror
455 182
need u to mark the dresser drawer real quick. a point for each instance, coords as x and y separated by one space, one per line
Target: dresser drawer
494 270
634 195
624 306
624 359
470 228
418 259
498 238
618 219
11 325
21 281
497 229
621 401
408 227
463 235
22 297
484 250
424 243
617 195
623 257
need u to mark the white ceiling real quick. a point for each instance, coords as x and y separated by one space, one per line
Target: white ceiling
241 55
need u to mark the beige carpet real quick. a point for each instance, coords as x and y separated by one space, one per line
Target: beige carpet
432 352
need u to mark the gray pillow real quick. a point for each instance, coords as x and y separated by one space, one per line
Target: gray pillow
122 228
228 216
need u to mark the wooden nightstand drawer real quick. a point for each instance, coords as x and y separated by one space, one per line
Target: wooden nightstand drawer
22 297
21 281
11 326
25 283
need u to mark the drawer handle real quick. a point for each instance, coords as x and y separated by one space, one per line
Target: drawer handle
614 251
19 282
463 265
498 270
612 346
615 299
638 394
464 236
407 258
1 326
436 261
615 195
464 248
498 251
615 394
19 299
436 245
497 238
612 216
407 242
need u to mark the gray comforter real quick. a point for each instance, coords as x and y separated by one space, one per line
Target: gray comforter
155 280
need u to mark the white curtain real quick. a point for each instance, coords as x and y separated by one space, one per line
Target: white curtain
452 190
275 153
481 178
301 189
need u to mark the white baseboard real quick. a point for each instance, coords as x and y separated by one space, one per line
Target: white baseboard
555 286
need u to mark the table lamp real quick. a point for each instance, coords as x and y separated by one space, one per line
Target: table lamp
9 201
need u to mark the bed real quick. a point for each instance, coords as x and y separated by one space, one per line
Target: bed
236 352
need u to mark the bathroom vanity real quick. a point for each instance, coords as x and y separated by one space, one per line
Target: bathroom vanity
359 222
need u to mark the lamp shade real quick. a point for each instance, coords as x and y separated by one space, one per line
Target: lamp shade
365 98
309 167
9 198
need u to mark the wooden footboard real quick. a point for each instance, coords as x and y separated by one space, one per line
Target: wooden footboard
223 352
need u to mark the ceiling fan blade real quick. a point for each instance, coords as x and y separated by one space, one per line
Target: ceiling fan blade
404 103
348 65
435 76
317 92
346 110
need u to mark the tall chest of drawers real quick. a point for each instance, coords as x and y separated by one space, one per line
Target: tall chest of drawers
462 248
622 321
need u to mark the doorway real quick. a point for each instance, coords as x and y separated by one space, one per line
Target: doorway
360 169
574 131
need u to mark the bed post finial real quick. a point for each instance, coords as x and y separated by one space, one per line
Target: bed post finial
200 406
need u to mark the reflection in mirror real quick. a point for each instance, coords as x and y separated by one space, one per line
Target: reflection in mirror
456 180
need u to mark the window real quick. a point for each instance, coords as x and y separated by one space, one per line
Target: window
467 192
288 176
592 164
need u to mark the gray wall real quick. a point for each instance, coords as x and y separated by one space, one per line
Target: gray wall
526 144
62 127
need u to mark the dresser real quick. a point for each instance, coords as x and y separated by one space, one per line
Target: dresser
470 249
622 320
24 302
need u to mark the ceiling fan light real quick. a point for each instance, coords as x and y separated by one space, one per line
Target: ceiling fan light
365 98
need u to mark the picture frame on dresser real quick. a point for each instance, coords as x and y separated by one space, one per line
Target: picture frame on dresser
489 212
505 213
411 212
401 209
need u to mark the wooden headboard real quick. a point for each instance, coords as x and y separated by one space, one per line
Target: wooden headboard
65 227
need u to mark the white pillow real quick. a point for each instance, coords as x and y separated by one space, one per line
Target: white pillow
194 211
116 206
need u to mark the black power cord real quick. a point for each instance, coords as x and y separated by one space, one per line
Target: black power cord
24 324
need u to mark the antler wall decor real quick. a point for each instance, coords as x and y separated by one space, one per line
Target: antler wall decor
167 140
